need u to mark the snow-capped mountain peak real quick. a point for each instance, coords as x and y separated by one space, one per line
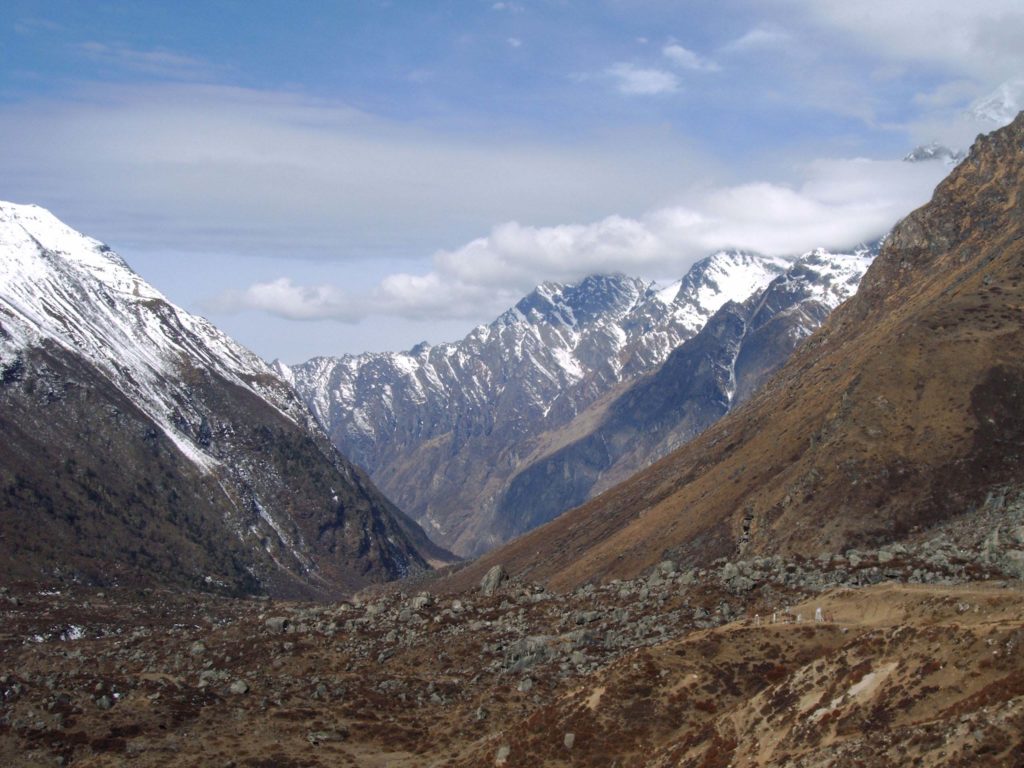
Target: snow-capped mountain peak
934 151
140 437
1000 107
719 278
578 305
23 224
445 419
59 286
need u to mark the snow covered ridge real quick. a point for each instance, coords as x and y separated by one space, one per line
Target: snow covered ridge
59 286
935 151
832 278
443 429
1001 106
601 330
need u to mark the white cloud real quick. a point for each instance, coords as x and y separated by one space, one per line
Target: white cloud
641 81
159 62
839 203
687 59
951 93
283 298
760 38
218 169
34 25
515 42
945 120
401 295
981 38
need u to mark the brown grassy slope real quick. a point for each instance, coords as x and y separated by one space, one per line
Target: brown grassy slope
919 676
926 675
901 411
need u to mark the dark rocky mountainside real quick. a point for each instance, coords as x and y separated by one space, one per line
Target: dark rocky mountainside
445 429
140 444
902 413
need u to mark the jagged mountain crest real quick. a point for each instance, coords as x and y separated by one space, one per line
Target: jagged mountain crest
702 380
578 305
934 151
423 421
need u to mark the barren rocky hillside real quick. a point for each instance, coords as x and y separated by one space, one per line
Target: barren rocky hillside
915 661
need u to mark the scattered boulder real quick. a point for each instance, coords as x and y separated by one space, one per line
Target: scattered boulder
527 652
667 567
492 580
277 623
316 738
421 601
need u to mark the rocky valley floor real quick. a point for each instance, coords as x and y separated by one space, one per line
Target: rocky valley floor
916 660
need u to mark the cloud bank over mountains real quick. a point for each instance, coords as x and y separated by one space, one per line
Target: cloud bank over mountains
840 203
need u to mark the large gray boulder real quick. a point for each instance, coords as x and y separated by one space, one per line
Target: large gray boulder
492 580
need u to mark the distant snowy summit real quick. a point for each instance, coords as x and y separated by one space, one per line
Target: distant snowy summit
935 151
996 109
1001 106
442 429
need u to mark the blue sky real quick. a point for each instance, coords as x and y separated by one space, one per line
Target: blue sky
330 177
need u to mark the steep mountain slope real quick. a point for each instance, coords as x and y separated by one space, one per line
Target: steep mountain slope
902 412
441 429
141 442
702 380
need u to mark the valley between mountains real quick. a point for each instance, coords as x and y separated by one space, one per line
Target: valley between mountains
770 516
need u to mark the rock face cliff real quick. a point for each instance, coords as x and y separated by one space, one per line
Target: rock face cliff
142 444
444 430
901 414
